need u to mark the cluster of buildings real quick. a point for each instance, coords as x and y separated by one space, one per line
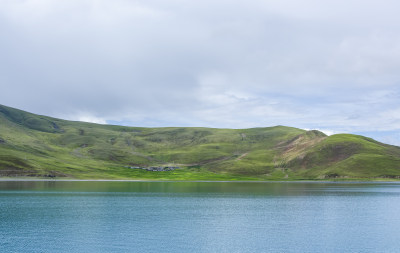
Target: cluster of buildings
155 168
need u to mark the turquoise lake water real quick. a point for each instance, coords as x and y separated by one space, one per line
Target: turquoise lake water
57 216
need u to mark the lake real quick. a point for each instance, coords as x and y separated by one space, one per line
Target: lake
104 216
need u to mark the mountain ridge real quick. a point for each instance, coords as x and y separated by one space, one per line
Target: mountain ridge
34 145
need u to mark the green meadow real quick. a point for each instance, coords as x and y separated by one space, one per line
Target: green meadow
37 146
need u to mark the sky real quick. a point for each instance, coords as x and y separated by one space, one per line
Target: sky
332 65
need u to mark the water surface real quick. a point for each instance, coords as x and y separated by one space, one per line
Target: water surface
56 216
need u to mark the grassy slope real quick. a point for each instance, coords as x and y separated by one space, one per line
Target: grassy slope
352 156
33 145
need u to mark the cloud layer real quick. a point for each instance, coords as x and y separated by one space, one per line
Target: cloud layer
330 65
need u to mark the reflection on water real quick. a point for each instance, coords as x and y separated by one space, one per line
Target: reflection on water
236 188
57 216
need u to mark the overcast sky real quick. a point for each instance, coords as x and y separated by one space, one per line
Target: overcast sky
332 65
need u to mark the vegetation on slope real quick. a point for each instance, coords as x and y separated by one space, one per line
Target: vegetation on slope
40 146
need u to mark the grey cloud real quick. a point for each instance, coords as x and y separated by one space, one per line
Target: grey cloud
308 63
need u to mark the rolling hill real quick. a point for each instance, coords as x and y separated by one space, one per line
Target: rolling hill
38 146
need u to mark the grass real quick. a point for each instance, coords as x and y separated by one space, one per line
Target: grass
40 146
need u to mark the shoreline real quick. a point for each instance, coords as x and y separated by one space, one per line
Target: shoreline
193 181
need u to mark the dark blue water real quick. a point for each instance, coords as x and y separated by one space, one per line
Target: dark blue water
199 217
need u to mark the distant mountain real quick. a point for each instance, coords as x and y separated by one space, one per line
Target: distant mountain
38 146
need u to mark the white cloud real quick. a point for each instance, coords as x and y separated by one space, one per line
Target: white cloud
85 117
311 64
325 131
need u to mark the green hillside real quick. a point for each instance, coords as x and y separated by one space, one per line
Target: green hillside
39 146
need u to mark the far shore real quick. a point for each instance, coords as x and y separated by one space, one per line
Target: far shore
197 181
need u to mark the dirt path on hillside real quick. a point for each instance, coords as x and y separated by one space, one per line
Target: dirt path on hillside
241 157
